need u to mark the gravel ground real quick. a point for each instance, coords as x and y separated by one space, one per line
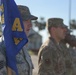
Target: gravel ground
35 62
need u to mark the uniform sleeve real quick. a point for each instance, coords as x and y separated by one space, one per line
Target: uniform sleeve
45 62
51 62
3 70
3 48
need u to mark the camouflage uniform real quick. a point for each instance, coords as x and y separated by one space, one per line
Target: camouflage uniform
54 59
24 63
51 60
73 55
3 70
70 69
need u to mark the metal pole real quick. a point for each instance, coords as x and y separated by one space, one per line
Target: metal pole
69 11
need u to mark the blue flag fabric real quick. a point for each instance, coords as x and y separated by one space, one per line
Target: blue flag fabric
14 35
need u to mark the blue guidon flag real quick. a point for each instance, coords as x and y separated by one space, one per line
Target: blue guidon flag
14 35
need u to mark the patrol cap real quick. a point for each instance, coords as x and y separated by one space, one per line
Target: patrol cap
25 13
55 22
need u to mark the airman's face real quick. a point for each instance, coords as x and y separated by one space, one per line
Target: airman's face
27 26
61 32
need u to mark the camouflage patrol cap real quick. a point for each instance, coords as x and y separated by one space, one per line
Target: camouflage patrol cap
55 22
25 13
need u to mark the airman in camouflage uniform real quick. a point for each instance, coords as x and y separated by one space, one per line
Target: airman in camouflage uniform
53 60
24 63
71 41
70 68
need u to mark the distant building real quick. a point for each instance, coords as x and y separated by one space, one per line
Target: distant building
35 40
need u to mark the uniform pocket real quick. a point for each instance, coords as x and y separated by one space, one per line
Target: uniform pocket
1 64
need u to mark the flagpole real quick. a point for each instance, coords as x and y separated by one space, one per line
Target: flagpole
9 71
69 12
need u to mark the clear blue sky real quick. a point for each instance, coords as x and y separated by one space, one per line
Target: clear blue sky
50 8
